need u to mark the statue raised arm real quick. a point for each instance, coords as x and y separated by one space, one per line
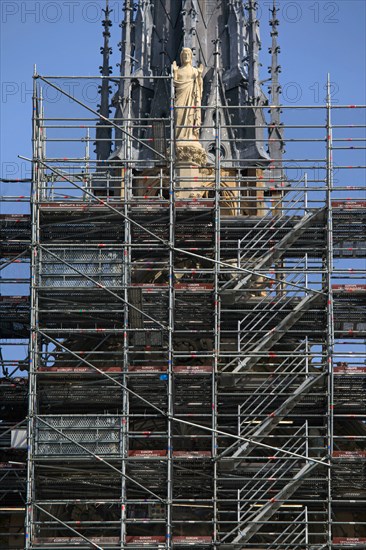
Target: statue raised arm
175 70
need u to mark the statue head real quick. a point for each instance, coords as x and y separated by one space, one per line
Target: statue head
186 56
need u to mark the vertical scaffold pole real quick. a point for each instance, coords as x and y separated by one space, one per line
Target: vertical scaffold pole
169 530
127 190
330 319
33 344
216 286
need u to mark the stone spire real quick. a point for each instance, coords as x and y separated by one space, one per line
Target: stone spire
190 20
153 37
143 27
254 46
104 135
121 98
251 118
276 141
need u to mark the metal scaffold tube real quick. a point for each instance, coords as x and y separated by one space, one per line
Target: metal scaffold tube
330 309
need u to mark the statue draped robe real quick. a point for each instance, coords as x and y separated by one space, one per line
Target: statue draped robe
188 94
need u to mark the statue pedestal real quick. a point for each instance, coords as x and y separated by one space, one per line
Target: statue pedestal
190 180
190 157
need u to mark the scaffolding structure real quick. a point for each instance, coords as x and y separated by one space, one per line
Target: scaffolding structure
196 370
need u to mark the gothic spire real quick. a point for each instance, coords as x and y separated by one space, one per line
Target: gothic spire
189 14
254 117
153 39
276 142
104 134
121 98
254 46
126 48
143 28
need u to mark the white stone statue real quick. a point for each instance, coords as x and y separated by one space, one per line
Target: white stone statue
188 84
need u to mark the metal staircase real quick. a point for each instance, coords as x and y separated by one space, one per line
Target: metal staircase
274 234
273 483
294 534
277 396
254 522
273 315
275 252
